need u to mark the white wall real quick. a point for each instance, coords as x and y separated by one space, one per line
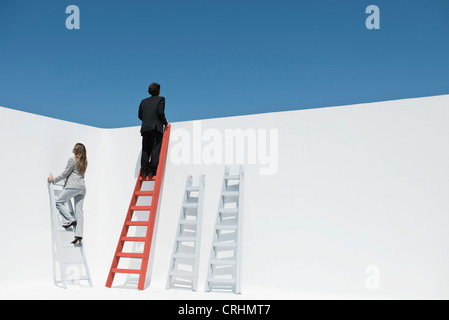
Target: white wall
32 146
356 186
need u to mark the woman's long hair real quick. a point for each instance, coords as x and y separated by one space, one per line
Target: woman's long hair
80 157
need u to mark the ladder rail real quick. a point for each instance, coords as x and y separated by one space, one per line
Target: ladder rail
239 233
86 266
201 187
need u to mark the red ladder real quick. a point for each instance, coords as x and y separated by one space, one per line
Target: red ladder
155 193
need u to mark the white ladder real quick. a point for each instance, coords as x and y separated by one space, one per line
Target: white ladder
69 261
184 264
224 262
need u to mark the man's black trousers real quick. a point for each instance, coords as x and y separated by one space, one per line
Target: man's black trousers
151 147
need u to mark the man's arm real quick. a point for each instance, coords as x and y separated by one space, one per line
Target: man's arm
161 111
140 111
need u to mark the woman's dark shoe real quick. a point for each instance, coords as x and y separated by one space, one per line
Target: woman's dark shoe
70 224
77 241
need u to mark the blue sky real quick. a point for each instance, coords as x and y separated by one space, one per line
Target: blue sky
217 58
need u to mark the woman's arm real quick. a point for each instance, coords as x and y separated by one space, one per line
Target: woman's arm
67 171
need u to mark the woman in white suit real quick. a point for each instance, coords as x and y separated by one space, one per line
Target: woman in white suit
75 188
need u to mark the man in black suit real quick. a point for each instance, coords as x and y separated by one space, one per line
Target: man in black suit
152 114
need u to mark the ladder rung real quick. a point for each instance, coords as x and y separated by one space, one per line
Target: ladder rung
78 278
228 210
184 255
130 255
225 244
226 227
140 208
117 270
190 205
181 273
185 238
230 193
218 281
137 223
137 239
222 261
232 177
144 193
73 261
188 222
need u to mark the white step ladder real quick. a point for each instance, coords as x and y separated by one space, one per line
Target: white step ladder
184 264
69 261
224 262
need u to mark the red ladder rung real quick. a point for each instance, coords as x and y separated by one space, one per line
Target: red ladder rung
130 255
138 223
117 270
144 193
135 239
140 208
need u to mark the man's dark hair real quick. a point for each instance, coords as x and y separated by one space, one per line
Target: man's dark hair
154 89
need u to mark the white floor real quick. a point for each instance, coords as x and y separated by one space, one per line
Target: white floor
46 290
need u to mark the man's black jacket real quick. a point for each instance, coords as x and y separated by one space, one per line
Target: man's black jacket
152 114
